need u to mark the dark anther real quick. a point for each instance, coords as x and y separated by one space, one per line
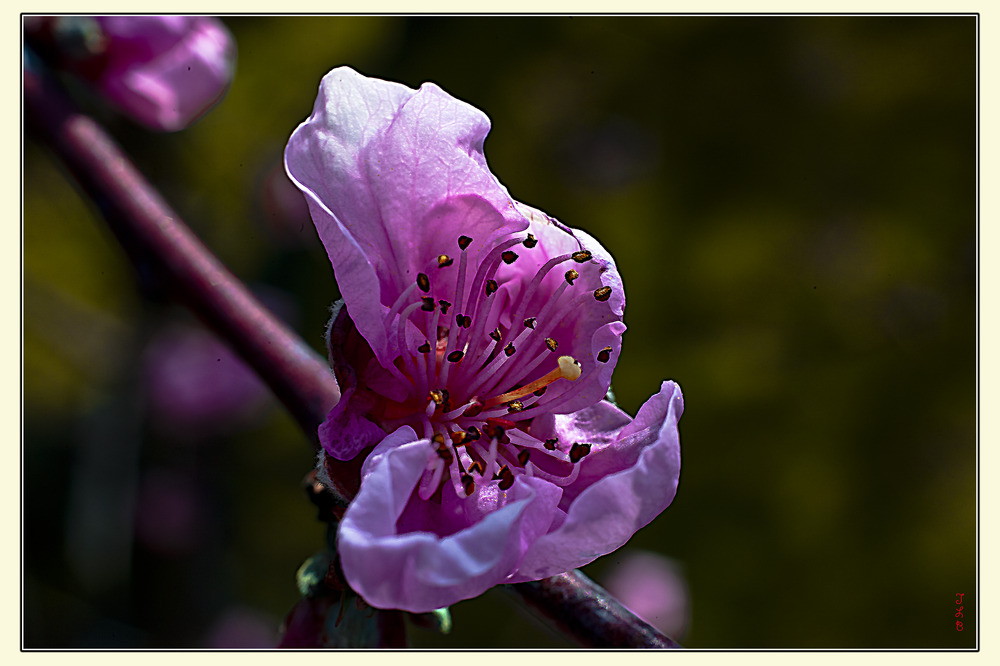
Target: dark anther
444 306
439 396
550 444
428 305
424 348
604 355
445 454
444 260
458 438
473 433
522 457
438 439
529 323
456 356
491 287
578 451
463 242
540 392
476 468
581 256
551 344
508 257
423 282
571 275
473 410
468 484
494 431
515 406
506 478
603 294
509 349
464 321
495 334
530 241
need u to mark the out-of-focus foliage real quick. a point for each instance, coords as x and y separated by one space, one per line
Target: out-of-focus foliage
791 202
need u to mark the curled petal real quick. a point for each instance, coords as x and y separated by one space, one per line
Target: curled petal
610 508
420 571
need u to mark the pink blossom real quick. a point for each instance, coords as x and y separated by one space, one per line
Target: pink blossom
474 349
165 72
652 587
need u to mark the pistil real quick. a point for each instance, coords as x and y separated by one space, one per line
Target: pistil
567 368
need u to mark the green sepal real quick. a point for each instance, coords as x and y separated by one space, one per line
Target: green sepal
437 620
312 572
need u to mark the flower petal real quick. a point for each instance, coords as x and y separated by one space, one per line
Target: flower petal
610 508
345 432
419 571
377 161
166 71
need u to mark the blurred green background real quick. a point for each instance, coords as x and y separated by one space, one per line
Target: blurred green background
791 203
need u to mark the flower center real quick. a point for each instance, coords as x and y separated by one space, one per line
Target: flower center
477 358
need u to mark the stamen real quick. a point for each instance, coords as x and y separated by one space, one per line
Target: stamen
424 348
428 489
528 294
550 444
509 257
578 451
423 282
444 260
428 305
515 406
551 344
456 356
491 287
400 343
571 275
603 294
444 306
530 241
509 349
463 242
455 413
529 322
475 308
568 368
506 478
581 256
604 355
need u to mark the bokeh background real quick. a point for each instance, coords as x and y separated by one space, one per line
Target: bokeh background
791 203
